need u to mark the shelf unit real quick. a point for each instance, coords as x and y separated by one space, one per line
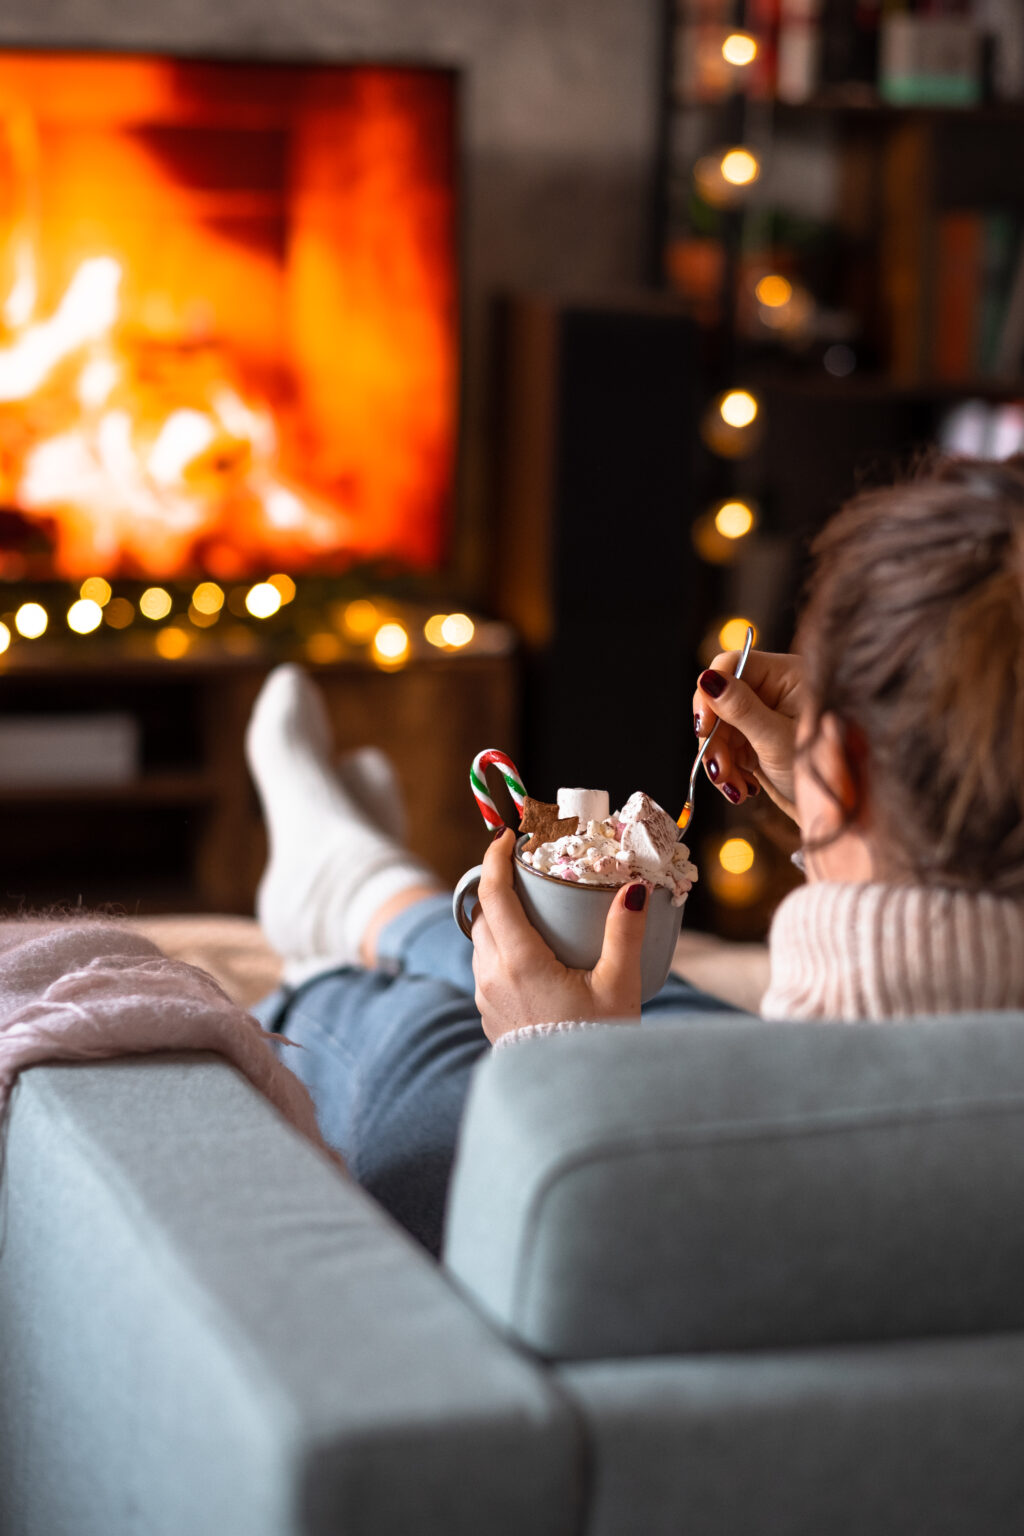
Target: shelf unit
186 835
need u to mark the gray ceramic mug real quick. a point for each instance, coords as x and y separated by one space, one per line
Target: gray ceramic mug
570 918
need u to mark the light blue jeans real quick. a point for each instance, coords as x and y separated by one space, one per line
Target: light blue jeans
387 1055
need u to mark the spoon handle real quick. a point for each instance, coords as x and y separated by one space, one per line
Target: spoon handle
686 814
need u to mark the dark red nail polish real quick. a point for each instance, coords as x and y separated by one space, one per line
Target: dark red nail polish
500 833
713 770
636 898
713 683
753 787
731 793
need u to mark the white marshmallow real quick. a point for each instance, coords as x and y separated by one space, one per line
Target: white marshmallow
649 834
586 804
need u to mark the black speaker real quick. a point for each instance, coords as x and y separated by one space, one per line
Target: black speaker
597 572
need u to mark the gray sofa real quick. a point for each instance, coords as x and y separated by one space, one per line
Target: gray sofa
716 1276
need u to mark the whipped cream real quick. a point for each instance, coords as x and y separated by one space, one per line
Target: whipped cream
637 843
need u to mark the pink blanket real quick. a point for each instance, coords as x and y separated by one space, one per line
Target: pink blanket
78 991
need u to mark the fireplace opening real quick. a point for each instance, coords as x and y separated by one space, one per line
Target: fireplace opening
228 318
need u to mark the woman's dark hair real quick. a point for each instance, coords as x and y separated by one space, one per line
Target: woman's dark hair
913 634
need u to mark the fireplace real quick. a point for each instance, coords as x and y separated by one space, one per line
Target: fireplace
228 319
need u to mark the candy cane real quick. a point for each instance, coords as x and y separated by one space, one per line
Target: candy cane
478 784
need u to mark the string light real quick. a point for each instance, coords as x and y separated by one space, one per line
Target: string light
733 634
734 519
457 629
31 620
263 600
390 645
5 638
739 49
96 589
85 616
155 603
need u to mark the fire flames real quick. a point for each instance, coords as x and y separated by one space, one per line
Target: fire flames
301 415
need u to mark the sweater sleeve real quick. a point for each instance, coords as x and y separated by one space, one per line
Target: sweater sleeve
535 1031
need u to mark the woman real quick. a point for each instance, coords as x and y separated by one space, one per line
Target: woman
895 738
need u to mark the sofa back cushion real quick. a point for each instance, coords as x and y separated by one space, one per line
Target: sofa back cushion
727 1183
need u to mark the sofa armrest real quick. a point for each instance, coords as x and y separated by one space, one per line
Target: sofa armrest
206 1327
727 1183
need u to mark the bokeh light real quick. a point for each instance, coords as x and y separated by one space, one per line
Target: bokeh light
208 598
774 290
263 600
360 619
31 620
5 638
734 519
736 856
324 647
457 629
284 584
390 644
172 642
733 634
738 408
96 589
434 629
739 167
739 49
155 603
85 616
119 613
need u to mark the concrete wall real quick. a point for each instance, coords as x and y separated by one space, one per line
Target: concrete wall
559 125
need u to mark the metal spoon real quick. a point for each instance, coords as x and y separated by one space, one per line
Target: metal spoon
686 814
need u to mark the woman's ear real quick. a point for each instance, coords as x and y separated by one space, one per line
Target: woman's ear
834 803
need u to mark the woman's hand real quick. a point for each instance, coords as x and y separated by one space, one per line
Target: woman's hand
518 979
759 712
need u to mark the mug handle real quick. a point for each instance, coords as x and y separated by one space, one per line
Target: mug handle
465 893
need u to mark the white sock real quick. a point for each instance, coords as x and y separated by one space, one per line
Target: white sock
332 865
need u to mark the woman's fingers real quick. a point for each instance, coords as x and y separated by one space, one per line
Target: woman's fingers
508 925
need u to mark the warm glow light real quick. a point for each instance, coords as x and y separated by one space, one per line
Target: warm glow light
739 48
434 629
88 308
738 408
31 620
208 597
360 619
172 642
740 167
391 643
200 619
263 600
183 437
774 290
457 629
733 634
155 603
284 585
5 638
736 856
119 613
324 647
96 589
734 519
85 616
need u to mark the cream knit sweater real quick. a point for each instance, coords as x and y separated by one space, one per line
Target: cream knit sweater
871 951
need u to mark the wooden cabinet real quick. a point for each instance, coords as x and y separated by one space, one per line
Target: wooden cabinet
185 833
